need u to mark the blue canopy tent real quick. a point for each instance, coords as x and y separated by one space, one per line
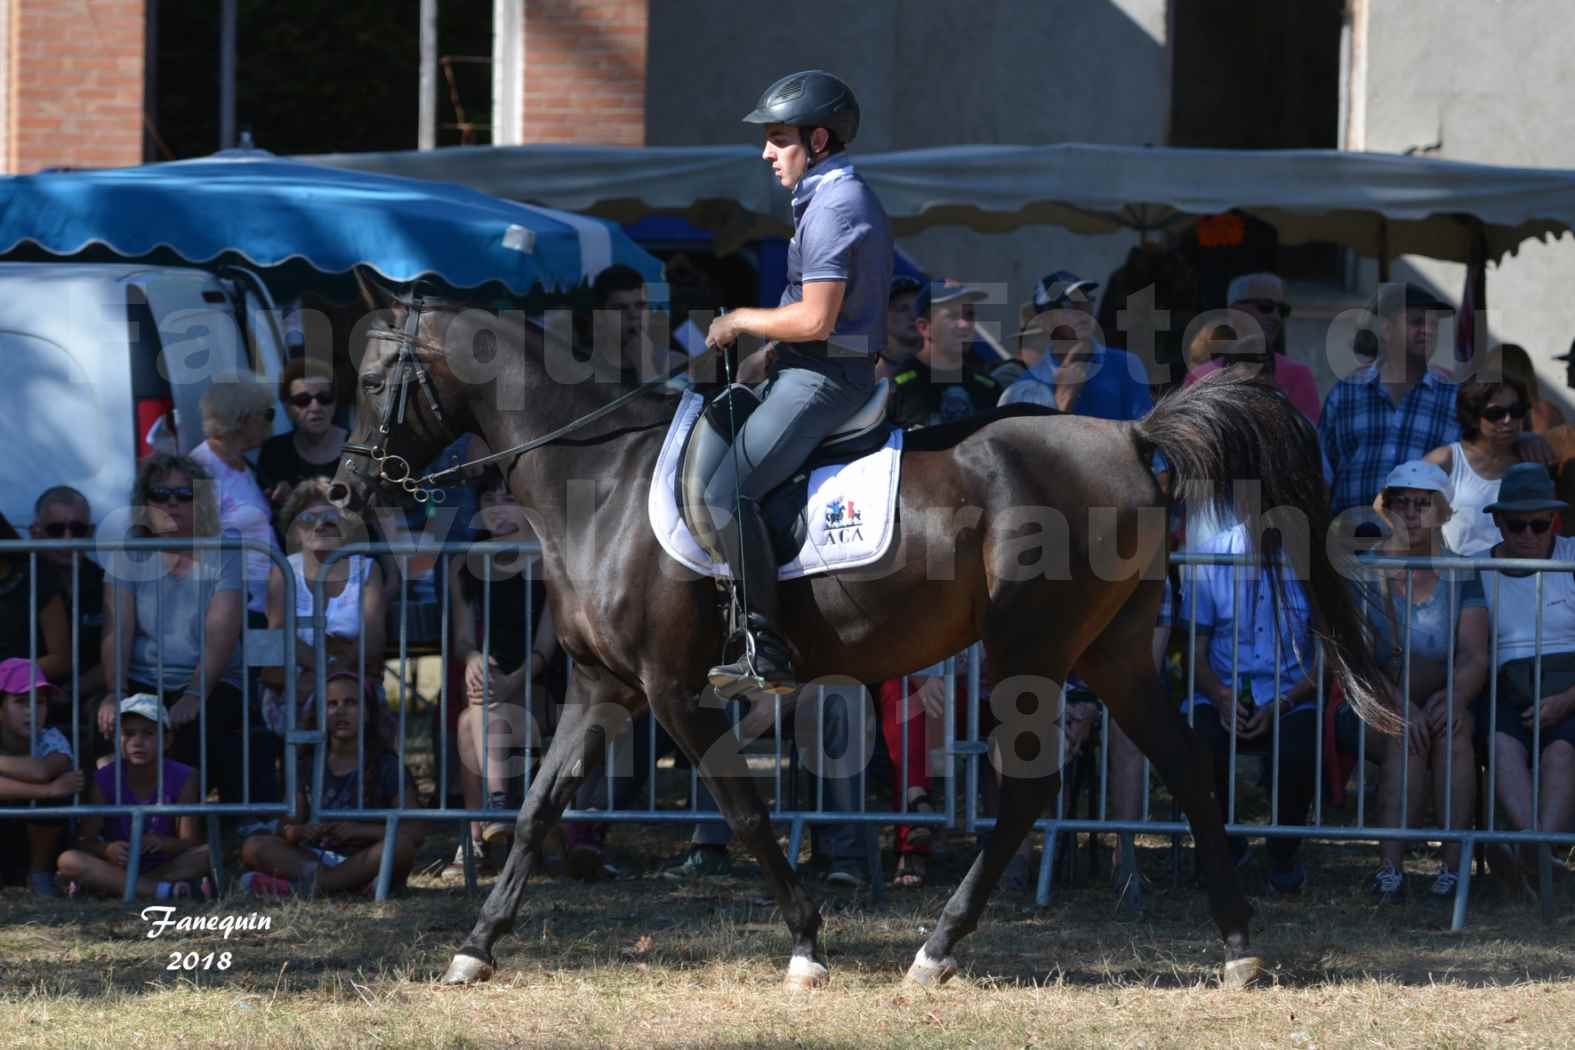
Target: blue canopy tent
250 206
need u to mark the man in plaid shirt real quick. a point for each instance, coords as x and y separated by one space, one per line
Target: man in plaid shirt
1396 409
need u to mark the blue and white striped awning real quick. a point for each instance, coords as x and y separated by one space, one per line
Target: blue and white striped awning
251 205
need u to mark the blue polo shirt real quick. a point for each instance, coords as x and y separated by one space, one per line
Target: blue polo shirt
840 233
1116 388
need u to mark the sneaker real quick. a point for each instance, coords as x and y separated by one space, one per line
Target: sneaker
1388 885
1445 884
846 873
1287 882
42 883
258 884
195 889
701 863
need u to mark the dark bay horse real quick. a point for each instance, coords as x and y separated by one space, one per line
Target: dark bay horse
1043 536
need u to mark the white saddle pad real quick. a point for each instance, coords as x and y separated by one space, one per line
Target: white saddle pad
852 507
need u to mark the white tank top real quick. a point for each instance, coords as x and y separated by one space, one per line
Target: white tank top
1513 602
1470 530
344 609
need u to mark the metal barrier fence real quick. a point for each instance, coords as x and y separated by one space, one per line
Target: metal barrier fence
258 648
960 756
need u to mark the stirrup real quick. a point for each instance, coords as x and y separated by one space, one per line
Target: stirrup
746 675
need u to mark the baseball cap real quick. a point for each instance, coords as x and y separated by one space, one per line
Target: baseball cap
1420 474
1406 296
147 705
18 675
1255 286
1056 288
947 291
903 283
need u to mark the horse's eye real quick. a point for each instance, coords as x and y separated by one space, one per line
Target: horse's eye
372 384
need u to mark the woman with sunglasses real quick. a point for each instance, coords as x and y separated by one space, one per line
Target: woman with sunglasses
172 623
311 449
1492 415
236 418
1421 619
356 611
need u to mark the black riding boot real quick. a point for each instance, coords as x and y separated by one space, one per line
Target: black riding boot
766 664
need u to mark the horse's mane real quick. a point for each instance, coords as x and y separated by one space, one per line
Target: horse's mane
943 436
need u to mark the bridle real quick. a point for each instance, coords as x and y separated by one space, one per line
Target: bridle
395 470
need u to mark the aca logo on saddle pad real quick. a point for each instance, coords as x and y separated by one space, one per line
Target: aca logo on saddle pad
843 521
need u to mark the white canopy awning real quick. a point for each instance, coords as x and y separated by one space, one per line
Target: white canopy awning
1379 204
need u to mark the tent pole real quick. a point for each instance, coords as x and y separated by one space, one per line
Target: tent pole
1383 251
426 132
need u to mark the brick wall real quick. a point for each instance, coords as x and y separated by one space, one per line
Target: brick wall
585 71
74 71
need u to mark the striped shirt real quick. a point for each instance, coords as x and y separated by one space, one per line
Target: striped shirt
1365 435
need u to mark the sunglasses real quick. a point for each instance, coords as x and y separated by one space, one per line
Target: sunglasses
1538 526
1416 503
303 400
311 518
183 493
75 529
1499 413
1265 306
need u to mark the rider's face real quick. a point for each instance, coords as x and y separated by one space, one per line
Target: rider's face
787 152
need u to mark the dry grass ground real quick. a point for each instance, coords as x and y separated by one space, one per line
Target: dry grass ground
645 962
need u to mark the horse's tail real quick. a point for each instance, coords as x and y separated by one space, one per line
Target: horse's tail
1232 426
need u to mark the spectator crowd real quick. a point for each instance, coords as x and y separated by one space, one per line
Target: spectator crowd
130 682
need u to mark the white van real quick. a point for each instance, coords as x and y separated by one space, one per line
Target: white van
94 356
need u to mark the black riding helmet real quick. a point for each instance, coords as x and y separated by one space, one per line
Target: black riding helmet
811 98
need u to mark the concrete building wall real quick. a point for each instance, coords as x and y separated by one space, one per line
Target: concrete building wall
73 83
1488 81
928 74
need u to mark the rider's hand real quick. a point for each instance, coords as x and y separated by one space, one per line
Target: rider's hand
723 332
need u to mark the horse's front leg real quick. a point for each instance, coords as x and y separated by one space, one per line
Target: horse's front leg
577 750
706 737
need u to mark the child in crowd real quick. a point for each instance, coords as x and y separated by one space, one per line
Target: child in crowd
34 766
341 856
174 855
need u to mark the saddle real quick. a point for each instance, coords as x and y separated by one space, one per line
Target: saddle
711 438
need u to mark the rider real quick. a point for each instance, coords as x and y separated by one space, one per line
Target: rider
829 326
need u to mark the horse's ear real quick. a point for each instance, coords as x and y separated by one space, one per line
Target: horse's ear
375 295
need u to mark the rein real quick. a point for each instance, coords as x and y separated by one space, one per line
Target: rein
425 487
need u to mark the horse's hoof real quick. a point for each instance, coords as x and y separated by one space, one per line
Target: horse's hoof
467 969
930 973
805 975
1243 972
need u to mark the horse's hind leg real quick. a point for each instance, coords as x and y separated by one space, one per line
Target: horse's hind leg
1028 781
1137 699
706 737
577 750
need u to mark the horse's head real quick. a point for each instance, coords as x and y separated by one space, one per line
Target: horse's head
409 405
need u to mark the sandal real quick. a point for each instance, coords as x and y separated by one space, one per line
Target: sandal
910 871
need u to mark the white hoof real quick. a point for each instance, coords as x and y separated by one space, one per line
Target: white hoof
805 975
467 969
931 973
1240 973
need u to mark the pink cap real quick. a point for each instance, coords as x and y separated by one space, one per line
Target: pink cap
18 675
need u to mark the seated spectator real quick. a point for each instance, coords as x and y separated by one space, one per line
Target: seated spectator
21 603
357 609
1078 373
63 513
1492 415
173 620
1241 693
903 341
342 856
236 418
1527 514
913 700
940 384
311 449
500 663
1516 363
1425 610
35 766
1260 298
175 861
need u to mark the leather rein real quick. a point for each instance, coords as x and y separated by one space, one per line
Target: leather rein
395 470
